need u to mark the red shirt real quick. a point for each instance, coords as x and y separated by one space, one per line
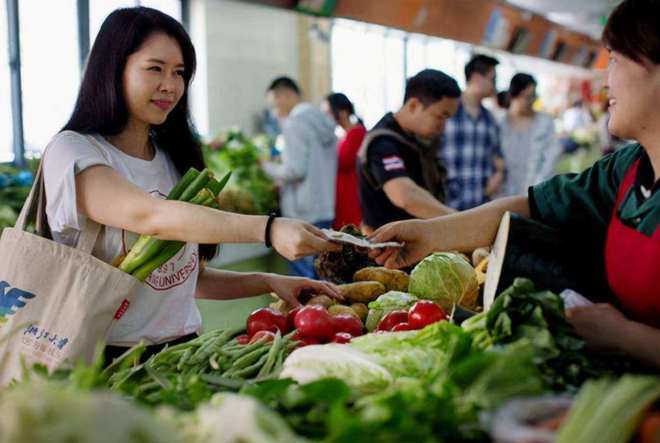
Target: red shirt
347 206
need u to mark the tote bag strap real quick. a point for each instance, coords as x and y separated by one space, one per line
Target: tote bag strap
34 209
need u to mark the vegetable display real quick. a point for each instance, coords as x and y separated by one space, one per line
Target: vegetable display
250 191
384 366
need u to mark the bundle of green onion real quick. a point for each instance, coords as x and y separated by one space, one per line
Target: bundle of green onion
149 253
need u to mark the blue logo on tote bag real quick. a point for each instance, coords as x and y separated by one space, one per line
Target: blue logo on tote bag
12 299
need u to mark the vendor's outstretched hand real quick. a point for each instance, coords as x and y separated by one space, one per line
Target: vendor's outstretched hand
600 324
294 239
416 236
290 288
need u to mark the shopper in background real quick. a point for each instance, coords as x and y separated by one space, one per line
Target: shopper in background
611 211
398 170
347 201
470 147
307 173
127 143
529 143
576 117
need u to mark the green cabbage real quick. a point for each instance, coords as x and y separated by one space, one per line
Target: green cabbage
446 278
386 303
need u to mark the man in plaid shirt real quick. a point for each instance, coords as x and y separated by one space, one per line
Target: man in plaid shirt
470 147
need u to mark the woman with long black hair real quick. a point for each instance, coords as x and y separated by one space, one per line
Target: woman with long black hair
127 143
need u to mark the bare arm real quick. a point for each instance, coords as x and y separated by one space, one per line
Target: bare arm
217 284
604 327
461 231
415 200
107 198
642 342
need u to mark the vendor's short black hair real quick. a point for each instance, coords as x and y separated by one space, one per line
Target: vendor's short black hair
519 83
430 86
633 29
284 83
481 64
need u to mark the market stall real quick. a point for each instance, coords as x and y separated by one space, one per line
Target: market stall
403 357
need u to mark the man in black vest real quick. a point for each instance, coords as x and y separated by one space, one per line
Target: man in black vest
399 174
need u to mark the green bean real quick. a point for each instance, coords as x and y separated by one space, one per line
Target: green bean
184 359
147 386
250 358
213 362
230 383
250 370
272 354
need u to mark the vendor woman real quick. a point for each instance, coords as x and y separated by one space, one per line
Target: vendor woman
616 202
127 143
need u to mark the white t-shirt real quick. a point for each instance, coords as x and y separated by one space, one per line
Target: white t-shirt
164 307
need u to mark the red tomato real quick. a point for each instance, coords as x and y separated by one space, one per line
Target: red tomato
305 341
342 337
314 322
347 323
392 319
243 339
266 319
290 318
405 326
424 313
262 336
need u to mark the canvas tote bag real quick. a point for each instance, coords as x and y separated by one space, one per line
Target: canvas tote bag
56 302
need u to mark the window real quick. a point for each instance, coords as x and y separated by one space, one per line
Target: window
100 9
169 7
367 66
437 53
6 133
50 70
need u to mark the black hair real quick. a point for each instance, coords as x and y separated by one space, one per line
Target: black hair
633 29
339 102
430 86
519 83
284 83
503 99
480 64
101 107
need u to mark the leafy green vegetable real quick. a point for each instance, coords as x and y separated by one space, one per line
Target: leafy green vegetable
607 411
356 368
446 278
409 353
520 313
250 191
308 407
386 303
443 405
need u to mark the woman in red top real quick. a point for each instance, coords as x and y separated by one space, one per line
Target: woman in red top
347 206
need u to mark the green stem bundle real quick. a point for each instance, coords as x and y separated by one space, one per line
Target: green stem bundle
149 253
